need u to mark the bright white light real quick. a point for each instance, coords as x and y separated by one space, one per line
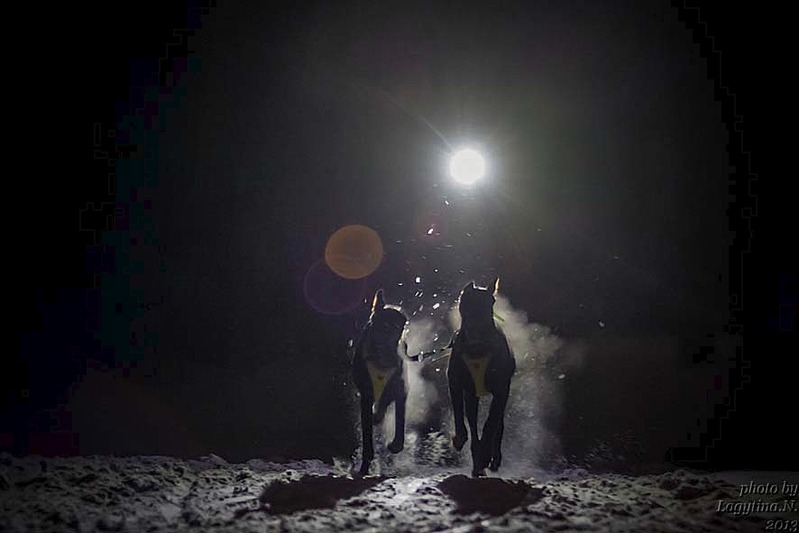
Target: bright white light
466 166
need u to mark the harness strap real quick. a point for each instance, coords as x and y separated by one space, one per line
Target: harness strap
477 354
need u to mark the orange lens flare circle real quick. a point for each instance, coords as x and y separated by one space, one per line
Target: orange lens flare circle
354 251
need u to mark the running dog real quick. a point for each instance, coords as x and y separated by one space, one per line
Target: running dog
481 363
379 374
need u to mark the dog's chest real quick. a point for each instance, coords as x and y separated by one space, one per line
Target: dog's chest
382 365
379 376
477 364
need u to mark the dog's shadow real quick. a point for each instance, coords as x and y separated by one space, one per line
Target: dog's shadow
493 496
313 492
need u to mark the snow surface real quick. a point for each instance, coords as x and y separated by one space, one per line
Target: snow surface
154 493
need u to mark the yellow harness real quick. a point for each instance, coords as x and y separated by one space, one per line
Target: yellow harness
379 377
477 365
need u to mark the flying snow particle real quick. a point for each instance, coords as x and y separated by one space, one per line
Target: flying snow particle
418 279
436 305
601 324
561 376
430 231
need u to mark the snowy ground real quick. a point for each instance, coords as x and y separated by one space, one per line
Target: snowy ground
166 494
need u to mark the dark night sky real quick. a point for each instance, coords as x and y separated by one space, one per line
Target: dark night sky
600 126
606 200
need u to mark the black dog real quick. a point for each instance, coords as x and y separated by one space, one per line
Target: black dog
378 372
481 363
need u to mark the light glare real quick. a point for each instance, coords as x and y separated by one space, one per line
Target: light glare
466 166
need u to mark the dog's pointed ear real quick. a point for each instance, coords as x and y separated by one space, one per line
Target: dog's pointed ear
468 287
377 301
496 286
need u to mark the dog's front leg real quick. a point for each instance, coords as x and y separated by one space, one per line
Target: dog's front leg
492 430
456 398
472 404
368 451
400 397
496 454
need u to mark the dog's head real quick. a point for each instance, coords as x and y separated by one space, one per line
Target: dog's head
386 327
476 305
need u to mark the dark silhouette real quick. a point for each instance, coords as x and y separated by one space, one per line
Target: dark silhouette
481 363
379 373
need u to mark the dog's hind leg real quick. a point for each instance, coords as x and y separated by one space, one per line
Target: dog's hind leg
368 451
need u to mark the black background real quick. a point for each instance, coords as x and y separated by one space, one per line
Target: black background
71 68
